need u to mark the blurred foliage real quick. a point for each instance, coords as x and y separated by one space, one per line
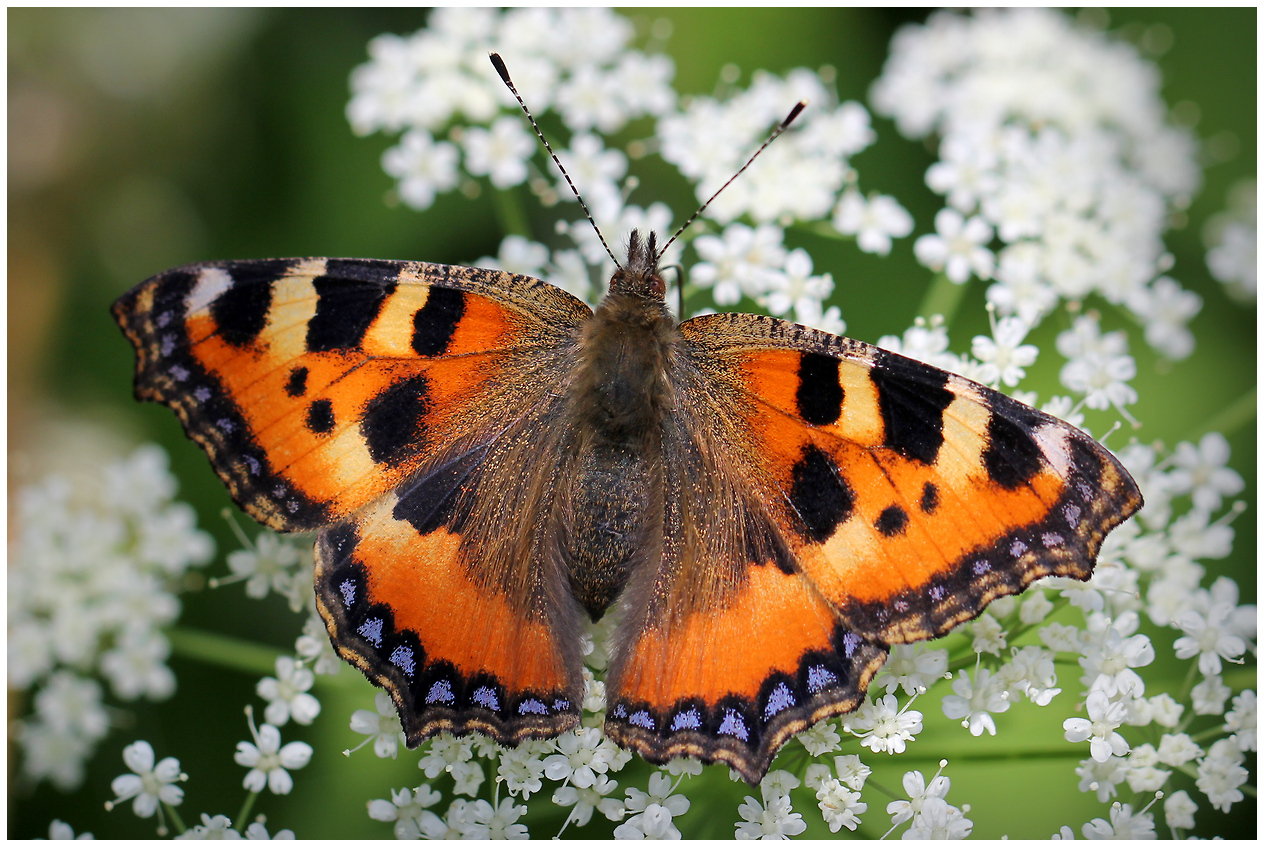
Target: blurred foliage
146 138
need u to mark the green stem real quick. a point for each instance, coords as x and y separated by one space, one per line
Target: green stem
1230 419
509 212
176 822
236 654
223 650
244 814
942 298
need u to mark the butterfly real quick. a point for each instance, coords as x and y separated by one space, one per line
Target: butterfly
763 508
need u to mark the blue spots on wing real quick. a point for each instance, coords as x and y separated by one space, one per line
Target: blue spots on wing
779 700
441 692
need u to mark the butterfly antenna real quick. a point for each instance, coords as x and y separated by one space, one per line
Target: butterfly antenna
499 65
782 127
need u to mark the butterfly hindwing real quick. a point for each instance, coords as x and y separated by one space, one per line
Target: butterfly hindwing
910 497
316 385
447 593
728 649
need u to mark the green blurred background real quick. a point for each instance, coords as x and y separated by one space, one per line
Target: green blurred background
143 139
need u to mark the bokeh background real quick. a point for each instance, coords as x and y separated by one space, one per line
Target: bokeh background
143 139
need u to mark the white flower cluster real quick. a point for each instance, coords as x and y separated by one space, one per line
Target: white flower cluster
799 177
572 61
1230 237
439 79
1053 139
94 570
1153 565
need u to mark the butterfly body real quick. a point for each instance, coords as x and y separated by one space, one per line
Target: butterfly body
763 508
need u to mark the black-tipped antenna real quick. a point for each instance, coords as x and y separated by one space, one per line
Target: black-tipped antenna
794 113
499 65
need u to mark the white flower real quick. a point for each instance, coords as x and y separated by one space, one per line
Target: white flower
381 725
820 739
772 820
840 806
988 635
976 703
1177 749
287 695
1102 777
517 255
1123 825
268 563
1144 775
137 666
919 792
1004 357
595 171
485 821
269 762
444 752
1165 711
500 153
881 727
913 667
1210 637
581 756
1098 367
1108 662
60 831
874 221
795 287
217 828
1201 472
590 98
1035 606
258 832
653 811
1178 810
1021 288
150 784
851 771
644 83
585 800
939 820
1030 672
1230 237
51 754
521 767
958 248
1104 717
1240 720
407 810
739 263
1209 696
1166 309
423 166
70 704
1220 774
315 648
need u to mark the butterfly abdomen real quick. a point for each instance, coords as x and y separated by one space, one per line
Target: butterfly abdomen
619 400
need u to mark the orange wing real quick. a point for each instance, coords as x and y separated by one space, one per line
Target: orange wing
316 385
411 411
835 498
447 592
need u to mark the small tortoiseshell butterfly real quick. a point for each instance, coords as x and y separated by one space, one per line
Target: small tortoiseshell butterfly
487 460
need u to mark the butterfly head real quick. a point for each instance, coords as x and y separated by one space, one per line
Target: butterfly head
638 276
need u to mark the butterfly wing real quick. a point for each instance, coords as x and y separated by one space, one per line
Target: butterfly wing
394 406
448 591
879 501
316 385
